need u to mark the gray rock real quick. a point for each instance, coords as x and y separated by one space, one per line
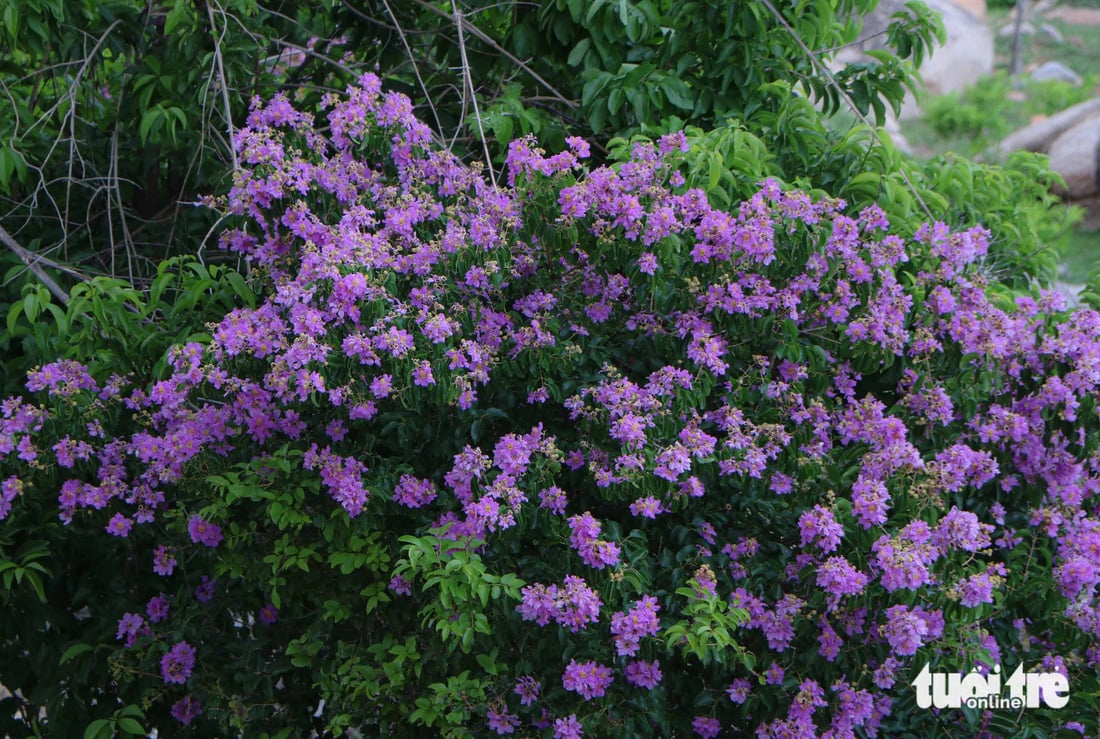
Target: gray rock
962 60
1009 29
1075 155
1040 135
1056 71
893 129
1091 222
1052 33
1071 291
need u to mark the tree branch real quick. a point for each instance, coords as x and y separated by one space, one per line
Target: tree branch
475 31
828 75
32 262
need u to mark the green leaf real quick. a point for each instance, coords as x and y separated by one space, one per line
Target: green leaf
74 651
576 56
31 307
714 171
96 728
131 726
11 20
151 123
13 315
175 16
678 93
133 711
7 166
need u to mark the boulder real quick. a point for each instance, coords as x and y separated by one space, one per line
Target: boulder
1040 135
976 8
1055 71
897 136
1008 30
966 56
1091 207
1052 33
1075 155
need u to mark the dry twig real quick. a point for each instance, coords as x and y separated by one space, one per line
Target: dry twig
32 262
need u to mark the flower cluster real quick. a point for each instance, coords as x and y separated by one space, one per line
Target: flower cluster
584 536
574 605
631 626
780 441
589 679
177 663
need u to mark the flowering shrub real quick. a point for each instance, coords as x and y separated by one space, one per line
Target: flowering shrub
577 456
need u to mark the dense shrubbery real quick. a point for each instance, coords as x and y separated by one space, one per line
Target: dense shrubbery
579 452
122 113
985 113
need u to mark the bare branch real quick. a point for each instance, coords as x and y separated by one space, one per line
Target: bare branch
475 31
416 68
32 262
80 73
468 78
221 76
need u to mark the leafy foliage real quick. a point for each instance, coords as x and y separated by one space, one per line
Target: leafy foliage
387 464
578 451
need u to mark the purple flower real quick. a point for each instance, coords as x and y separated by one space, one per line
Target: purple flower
644 674
574 606
157 608
336 430
176 665
269 614
590 679
905 630
838 578
961 530
568 727
400 585
705 583
130 627
186 709
204 591
739 690
647 507
422 374
829 640
870 501
414 492
886 674
595 553
10 488
629 628
204 532
381 386
502 722
706 726
553 499
120 525
164 563
820 528
527 688
781 484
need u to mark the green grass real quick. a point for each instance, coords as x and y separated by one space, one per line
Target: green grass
1081 256
1079 50
972 122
